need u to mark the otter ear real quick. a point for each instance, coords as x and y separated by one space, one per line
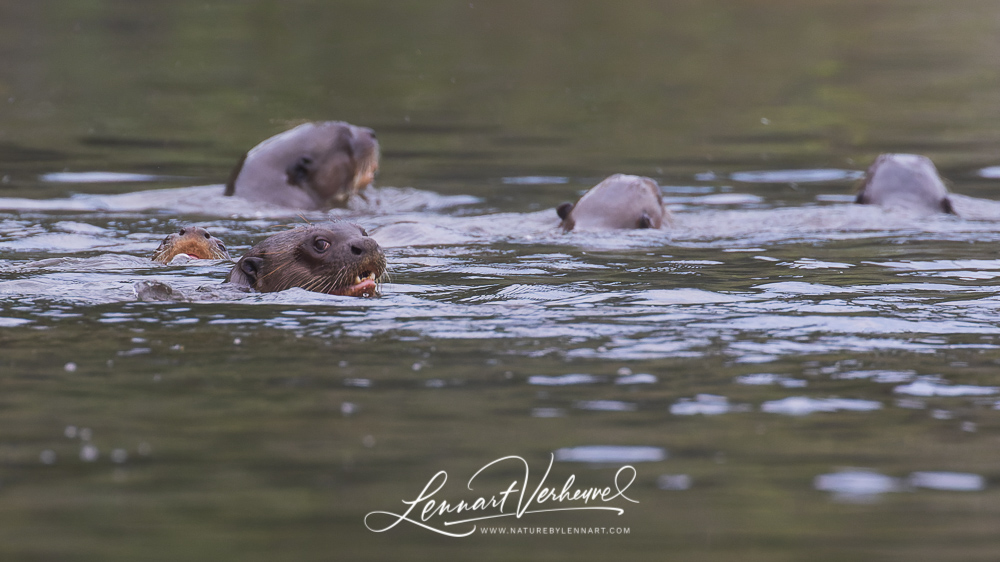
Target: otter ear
645 221
251 267
299 171
362 146
231 183
246 272
564 210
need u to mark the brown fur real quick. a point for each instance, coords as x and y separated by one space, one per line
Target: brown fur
315 166
324 258
193 241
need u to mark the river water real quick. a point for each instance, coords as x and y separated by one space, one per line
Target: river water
790 376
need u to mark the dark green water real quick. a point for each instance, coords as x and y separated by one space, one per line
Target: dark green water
267 427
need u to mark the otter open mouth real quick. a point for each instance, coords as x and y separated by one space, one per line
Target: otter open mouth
365 285
201 252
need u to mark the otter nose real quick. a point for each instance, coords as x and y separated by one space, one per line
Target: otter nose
363 246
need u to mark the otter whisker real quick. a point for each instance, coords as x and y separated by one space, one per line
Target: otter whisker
295 259
278 269
313 284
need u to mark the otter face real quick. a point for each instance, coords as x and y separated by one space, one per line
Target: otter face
193 241
313 166
905 181
332 258
617 203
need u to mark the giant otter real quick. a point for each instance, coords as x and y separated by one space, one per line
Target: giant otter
905 181
336 258
619 202
315 166
193 241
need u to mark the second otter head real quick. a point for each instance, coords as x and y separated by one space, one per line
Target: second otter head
334 258
905 181
193 241
315 166
619 202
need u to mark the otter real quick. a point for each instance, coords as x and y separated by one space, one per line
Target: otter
192 241
335 258
619 202
315 166
905 181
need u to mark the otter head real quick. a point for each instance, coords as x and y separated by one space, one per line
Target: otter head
619 202
193 241
334 258
313 166
905 181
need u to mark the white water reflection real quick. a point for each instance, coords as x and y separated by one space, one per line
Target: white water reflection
611 454
803 406
809 263
547 412
563 380
857 485
673 482
948 481
606 406
863 485
932 386
715 199
705 404
761 379
638 378
992 172
98 177
536 180
796 176
684 296
885 377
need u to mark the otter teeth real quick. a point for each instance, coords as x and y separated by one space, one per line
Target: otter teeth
368 276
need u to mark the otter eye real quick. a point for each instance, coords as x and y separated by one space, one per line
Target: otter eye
208 236
182 231
321 245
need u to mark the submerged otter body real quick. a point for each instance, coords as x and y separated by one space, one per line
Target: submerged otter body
192 241
315 166
905 181
334 258
619 202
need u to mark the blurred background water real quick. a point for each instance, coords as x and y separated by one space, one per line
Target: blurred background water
816 380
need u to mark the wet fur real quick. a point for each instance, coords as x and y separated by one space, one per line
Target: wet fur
190 240
619 202
315 166
287 260
905 181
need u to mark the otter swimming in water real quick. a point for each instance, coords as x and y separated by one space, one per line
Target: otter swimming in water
315 166
334 258
905 181
193 241
619 202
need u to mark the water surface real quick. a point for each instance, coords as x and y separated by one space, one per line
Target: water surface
790 375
